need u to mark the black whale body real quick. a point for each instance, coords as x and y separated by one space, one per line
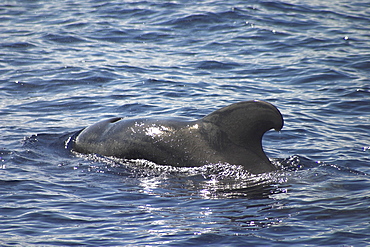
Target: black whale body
232 134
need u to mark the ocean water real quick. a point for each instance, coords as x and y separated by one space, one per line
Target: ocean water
67 64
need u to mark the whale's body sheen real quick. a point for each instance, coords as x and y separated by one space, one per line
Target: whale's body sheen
232 134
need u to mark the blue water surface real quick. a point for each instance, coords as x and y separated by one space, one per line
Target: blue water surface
67 64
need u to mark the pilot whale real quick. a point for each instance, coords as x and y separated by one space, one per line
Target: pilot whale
232 134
